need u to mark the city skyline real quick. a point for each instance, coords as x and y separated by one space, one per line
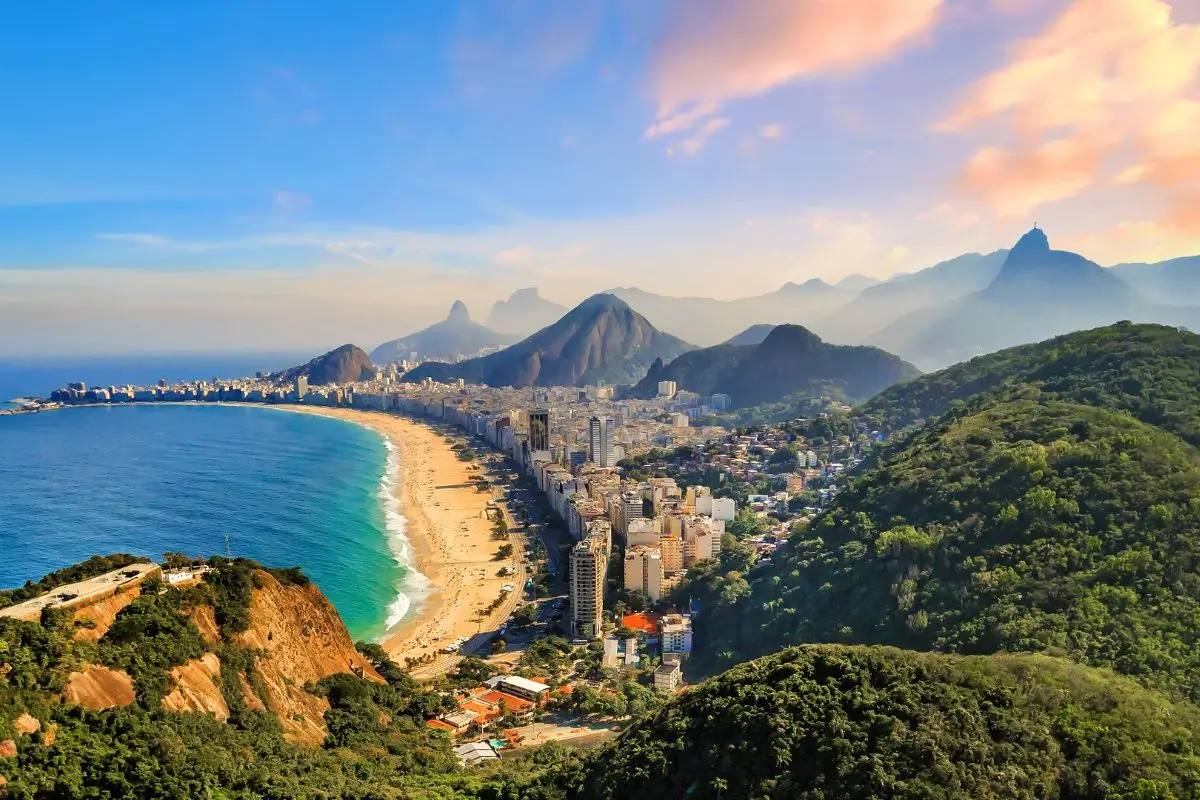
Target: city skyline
213 178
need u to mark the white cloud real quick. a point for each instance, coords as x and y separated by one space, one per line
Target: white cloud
773 131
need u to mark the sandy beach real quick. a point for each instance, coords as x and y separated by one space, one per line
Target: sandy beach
450 534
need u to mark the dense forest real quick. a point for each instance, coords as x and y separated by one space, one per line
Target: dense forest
828 721
1046 516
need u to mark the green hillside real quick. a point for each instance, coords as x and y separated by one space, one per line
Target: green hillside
1014 522
1150 371
826 721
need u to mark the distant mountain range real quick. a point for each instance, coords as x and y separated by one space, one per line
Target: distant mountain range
601 339
1173 282
790 360
1036 294
523 313
345 364
709 321
456 335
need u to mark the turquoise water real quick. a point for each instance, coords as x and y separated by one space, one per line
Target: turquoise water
287 488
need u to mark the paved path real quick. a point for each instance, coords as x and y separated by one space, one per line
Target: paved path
83 593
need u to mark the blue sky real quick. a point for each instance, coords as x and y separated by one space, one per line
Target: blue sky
183 176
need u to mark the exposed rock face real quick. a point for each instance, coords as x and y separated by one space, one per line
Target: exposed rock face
302 639
101 614
197 688
99 687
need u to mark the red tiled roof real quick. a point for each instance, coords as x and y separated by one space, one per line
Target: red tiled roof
514 704
445 726
641 622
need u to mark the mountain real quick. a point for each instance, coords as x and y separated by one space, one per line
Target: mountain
1038 293
755 334
790 360
601 339
881 305
856 723
1174 282
456 335
343 365
1054 509
1148 371
709 321
524 312
857 283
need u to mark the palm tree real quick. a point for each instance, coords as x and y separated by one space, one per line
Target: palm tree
720 784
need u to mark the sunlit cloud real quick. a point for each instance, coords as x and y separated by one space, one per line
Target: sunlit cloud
1105 94
695 143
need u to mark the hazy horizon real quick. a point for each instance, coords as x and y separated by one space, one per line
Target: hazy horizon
216 179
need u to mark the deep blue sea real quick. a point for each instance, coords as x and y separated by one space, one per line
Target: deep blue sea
287 488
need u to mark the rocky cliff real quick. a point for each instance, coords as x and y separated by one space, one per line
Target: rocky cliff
343 365
293 638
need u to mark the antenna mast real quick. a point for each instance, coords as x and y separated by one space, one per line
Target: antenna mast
228 554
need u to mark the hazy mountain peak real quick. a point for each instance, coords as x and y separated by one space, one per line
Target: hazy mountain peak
1033 243
458 312
524 312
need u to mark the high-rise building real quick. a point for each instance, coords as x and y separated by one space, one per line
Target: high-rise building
601 452
644 571
667 388
589 561
539 430
301 387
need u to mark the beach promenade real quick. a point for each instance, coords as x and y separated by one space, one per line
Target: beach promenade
448 528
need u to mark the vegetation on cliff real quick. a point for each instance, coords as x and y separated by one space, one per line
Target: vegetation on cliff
344 364
96 565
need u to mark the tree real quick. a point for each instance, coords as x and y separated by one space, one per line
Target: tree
505 551
525 615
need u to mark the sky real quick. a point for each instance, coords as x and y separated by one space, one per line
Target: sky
286 175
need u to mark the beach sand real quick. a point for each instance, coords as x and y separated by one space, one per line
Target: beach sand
448 529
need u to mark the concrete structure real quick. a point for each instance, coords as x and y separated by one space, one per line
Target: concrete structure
676 634
301 387
644 571
476 753
601 435
723 508
667 388
539 430
668 677
589 562
518 686
671 549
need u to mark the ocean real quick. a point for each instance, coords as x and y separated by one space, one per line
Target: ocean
287 488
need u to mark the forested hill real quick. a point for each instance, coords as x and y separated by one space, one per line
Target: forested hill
1011 523
855 723
1150 371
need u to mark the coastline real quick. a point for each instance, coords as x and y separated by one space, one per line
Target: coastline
449 534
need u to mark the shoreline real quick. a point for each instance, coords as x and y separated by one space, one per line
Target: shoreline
447 529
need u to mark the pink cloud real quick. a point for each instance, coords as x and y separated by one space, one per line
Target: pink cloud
1106 93
716 50
695 143
679 121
